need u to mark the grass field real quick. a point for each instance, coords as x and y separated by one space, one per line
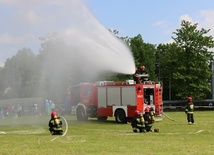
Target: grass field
30 136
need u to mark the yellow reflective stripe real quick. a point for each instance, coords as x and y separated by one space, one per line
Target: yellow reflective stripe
190 112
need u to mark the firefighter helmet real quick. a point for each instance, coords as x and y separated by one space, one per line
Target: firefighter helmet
53 114
147 109
136 112
189 98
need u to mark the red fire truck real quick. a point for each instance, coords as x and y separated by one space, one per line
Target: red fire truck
105 99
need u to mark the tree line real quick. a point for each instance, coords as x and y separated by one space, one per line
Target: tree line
182 66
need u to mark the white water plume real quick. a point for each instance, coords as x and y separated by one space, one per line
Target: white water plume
85 43
80 37
81 47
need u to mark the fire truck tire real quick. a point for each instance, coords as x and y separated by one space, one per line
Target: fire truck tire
102 118
120 116
81 115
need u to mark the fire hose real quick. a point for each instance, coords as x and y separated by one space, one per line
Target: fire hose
66 128
168 117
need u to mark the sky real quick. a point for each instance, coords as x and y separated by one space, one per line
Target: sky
23 22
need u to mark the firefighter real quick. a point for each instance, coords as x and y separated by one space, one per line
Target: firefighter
144 72
189 111
55 124
149 119
135 76
137 122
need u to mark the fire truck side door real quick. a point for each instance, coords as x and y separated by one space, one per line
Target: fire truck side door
87 94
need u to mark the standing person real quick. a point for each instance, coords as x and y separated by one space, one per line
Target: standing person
69 95
149 119
2 113
8 111
189 111
55 124
46 106
36 110
137 122
143 72
135 76
15 110
49 107
19 110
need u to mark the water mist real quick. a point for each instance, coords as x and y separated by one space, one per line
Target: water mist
89 44
83 49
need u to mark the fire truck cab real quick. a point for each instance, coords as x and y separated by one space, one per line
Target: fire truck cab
105 99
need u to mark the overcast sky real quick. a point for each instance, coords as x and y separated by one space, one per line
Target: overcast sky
24 21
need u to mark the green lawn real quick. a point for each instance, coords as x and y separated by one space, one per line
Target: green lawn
30 136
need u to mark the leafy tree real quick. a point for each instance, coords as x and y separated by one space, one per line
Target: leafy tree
144 54
192 73
116 33
2 83
20 75
167 61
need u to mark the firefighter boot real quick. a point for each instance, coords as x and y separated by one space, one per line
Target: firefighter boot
134 130
142 131
156 130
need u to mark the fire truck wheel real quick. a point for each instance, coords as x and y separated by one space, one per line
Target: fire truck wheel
120 116
102 118
81 116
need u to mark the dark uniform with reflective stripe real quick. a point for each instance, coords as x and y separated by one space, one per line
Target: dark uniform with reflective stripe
189 111
55 126
136 77
137 123
149 120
